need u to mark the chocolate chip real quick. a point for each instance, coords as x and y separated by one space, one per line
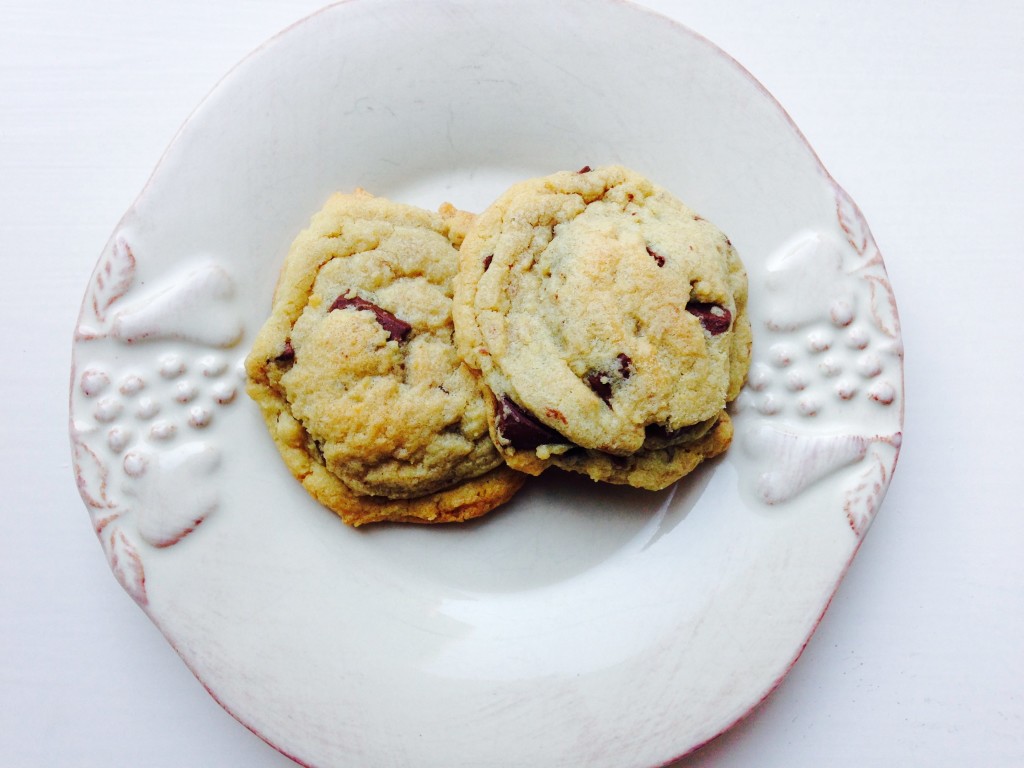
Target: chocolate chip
601 381
397 329
625 364
521 429
487 261
658 258
665 435
288 355
601 384
661 432
714 318
585 169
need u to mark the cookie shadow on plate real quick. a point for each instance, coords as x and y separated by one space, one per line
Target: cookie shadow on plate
559 526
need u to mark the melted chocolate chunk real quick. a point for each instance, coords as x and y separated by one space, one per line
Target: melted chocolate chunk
601 384
625 364
661 431
601 381
658 258
714 318
487 261
397 329
288 355
521 429
681 435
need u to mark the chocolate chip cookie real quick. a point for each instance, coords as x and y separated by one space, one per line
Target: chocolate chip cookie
357 374
608 323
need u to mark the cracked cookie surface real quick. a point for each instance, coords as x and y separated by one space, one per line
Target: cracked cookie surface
357 374
608 322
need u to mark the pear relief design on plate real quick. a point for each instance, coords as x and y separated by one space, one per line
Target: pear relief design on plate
144 451
830 345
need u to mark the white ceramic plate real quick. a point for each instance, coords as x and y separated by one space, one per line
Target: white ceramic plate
579 626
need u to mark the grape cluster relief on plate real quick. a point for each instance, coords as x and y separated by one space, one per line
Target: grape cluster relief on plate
142 409
829 345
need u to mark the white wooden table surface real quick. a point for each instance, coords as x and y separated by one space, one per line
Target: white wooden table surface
916 109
